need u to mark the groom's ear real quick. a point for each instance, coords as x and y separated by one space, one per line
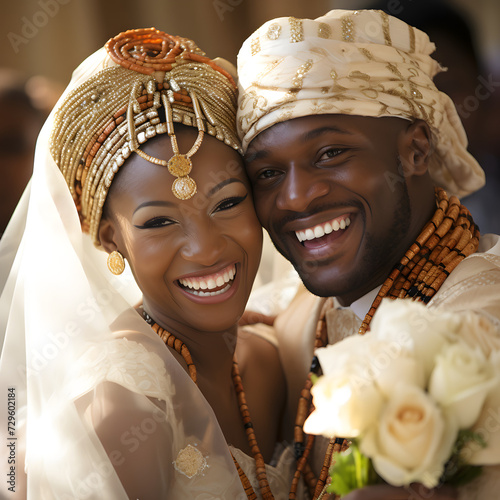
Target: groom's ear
415 148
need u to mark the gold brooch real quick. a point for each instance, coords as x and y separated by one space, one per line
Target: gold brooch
190 461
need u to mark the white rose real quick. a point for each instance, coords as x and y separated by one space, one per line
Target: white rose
477 330
487 425
370 361
461 380
412 441
343 407
415 327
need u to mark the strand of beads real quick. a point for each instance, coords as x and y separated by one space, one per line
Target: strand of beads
449 237
252 439
181 348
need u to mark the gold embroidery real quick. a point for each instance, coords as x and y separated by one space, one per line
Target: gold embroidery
296 30
394 69
300 74
385 28
274 31
370 93
270 67
366 53
324 30
255 46
334 74
412 39
324 90
359 75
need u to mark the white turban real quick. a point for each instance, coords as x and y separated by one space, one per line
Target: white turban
363 63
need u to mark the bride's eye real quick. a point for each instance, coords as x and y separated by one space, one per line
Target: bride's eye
229 203
156 222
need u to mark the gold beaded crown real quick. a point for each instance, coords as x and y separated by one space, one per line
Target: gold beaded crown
106 118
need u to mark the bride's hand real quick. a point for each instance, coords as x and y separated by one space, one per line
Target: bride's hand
412 492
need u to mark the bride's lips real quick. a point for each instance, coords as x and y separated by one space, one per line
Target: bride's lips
211 288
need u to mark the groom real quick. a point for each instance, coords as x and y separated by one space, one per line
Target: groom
347 143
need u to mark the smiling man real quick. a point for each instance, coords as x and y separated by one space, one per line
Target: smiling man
357 161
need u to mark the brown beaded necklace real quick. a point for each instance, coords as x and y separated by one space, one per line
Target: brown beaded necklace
447 239
260 466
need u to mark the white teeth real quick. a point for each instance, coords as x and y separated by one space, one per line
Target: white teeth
209 282
211 294
322 229
318 232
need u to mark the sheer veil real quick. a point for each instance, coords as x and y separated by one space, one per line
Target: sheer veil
71 341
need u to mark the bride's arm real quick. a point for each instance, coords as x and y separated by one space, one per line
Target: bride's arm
136 438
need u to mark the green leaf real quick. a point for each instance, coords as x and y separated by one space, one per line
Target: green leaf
352 470
456 471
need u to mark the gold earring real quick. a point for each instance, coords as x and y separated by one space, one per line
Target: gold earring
116 263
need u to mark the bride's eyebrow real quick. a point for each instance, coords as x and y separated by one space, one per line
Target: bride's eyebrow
223 183
154 203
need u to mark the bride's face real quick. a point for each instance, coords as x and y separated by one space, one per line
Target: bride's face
194 260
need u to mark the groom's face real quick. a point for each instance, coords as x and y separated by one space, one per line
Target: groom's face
322 189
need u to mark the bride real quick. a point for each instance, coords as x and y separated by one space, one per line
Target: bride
165 399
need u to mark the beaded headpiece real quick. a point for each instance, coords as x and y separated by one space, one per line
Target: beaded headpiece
108 116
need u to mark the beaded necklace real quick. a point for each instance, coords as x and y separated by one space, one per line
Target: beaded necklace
260 466
447 239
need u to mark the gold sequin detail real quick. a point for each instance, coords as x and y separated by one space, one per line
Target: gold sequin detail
334 74
347 27
301 73
385 28
324 30
274 31
296 30
255 46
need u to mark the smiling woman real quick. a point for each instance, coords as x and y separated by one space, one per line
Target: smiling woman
138 383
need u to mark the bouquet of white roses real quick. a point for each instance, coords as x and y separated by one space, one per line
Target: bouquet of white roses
414 394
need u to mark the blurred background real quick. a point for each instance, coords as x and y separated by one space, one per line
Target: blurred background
44 40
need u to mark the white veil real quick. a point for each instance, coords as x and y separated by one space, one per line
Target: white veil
72 342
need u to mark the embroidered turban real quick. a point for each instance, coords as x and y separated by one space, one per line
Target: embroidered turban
364 63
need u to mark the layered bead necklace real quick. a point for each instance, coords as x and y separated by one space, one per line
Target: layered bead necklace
260 466
447 239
